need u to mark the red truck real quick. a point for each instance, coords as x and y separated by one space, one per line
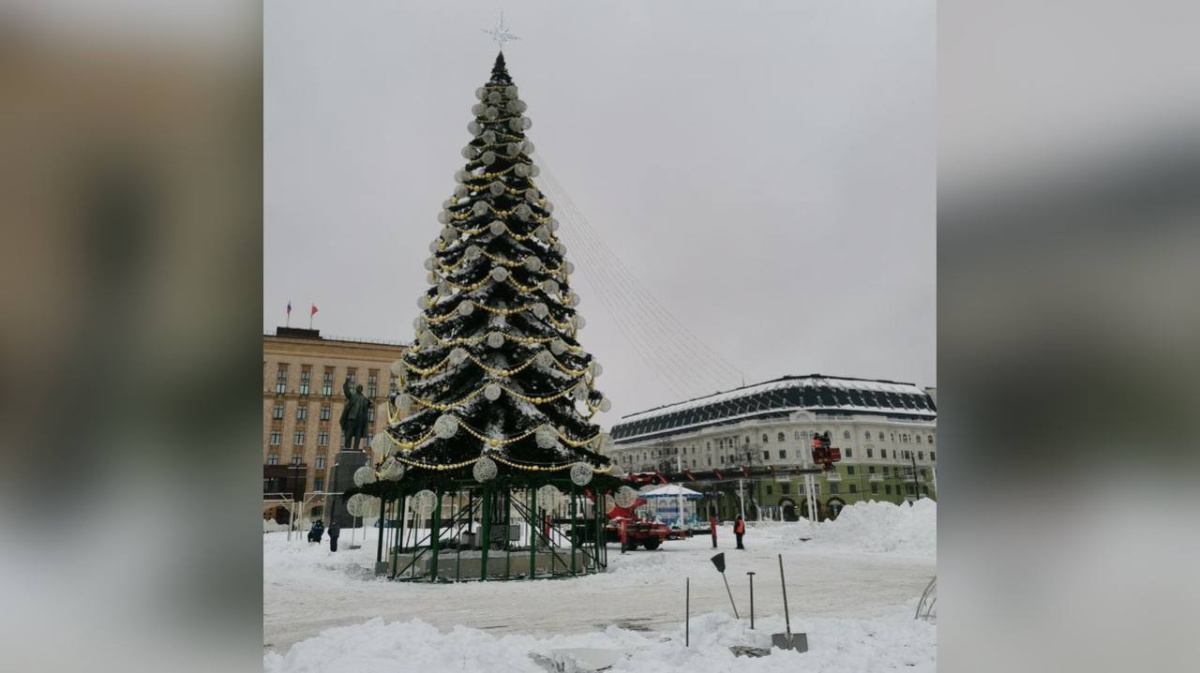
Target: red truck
637 532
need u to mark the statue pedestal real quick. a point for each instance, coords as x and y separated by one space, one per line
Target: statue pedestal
341 477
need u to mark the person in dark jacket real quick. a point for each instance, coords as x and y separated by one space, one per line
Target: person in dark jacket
739 529
318 529
334 531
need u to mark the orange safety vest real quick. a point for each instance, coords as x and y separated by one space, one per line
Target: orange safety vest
739 528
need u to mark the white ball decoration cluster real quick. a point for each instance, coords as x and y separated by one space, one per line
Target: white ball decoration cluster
480 207
473 251
581 474
392 469
458 356
397 368
496 188
475 128
485 469
380 444
548 496
496 227
540 310
424 502
492 392
495 339
446 426
489 137
510 91
364 475
625 497
466 308
558 347
544 358
404 403
499 274
488 158
605 405
546 437
522 170
533 263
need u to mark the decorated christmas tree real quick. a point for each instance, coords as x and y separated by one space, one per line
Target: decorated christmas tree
496 383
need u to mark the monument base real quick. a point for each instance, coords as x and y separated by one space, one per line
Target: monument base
341 477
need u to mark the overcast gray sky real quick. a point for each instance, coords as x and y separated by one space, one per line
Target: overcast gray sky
765 169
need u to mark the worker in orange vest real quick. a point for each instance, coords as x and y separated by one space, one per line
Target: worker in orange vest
739 529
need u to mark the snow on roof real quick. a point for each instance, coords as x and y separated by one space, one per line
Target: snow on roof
813 393
810 381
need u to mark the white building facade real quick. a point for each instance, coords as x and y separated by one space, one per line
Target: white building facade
745 448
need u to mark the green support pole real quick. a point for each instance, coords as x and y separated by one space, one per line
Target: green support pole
382 530
572 528
486 529
531 514
435 537
507 529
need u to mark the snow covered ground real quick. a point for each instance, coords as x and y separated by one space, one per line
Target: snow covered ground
853 587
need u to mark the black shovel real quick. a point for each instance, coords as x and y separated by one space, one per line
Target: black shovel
719 562
788 641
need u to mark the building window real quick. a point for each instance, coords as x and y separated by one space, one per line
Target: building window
708 460
747 439
277 412
325 413
849 469
272 459
846 434
854 488
918 439
299 439
319 484
305 381
370 414
722 459
785 488
868 435
766 455
883 453
920 455
302 412
933 456
782 454
322 439
780 438
320 462
708 446
768 489
871 469
327 383
849 453
930 438
372 384
817 489
352 376
909 488
800 489
797 434
392 385
923 473
766 439
869 452
281 380
887 489
874 489
295 459
276 438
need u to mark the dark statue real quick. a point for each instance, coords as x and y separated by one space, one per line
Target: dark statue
354 416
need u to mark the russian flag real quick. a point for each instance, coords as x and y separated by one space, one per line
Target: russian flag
289 307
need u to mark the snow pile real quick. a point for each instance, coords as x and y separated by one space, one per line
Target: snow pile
894 642
875 526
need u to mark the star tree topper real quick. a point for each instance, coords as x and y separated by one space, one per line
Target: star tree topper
501 34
